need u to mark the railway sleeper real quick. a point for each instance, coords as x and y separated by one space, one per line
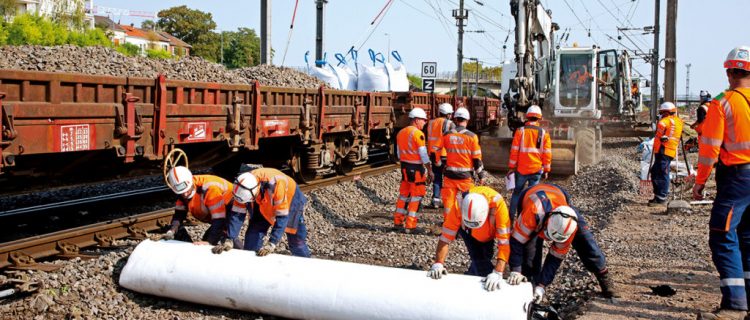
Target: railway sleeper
71 251
23 261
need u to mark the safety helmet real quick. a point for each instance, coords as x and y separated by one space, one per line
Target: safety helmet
561 224
738 58
474 210
246 188
417 113
180 180
462 113
667 106
534 112
445 108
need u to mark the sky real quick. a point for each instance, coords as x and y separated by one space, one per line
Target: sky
424 30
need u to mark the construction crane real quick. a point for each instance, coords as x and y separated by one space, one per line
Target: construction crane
112 12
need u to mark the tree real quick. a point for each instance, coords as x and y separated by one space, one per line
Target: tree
191 26
241 48
149 25
8 8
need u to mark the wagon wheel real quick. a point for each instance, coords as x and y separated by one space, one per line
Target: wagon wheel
172 160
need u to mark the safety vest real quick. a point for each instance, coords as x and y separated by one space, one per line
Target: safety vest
409 140
670 127
536 203
462 148
531 151
726 136
212 195
497 226
436 129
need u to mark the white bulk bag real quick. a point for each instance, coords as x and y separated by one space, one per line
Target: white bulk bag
397 78
374 77
325 73
347 76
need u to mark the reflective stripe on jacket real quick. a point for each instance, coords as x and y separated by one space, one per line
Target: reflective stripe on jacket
726 135
436 129
497 226
462 153
212 195
531 150
409 140
670 127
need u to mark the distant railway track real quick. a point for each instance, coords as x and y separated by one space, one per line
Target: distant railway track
23 253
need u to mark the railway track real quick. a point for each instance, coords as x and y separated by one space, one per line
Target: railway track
23 254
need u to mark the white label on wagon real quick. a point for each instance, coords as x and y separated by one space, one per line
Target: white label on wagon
197 131
75 137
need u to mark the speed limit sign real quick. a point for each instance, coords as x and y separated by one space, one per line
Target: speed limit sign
429 69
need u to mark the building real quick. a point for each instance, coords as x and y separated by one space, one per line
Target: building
144 39
51 7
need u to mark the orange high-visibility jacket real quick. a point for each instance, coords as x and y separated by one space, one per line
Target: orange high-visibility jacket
497 226
463 154
670 127
532 216
409 140
436 129
531 151
212 195
726 133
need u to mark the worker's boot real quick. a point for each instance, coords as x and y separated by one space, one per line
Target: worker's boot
723 314
608 286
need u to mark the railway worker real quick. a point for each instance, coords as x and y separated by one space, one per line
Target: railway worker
436 129
416 170
726 143
546 213
205 197
274 201
482 220
666 142
700 113
463 162
530 155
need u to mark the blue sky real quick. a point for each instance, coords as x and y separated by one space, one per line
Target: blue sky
423 30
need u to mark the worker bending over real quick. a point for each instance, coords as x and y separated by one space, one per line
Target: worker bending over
725 143
482 220
666 141
545 213
436 129
530 155
415 170
206 197
463 162
274 201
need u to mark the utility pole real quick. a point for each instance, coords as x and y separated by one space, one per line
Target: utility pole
319 29
655 65
687 84
670 68
265 32
460 16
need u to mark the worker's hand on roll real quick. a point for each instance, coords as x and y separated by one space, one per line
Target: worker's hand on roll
225 245
492 281
538 294
437 271
267 249
516 278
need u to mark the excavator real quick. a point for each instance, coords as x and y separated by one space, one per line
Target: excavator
581 90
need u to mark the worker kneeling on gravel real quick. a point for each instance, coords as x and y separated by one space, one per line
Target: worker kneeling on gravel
530 155
274 201
483 219
416 170
206 197
546 214
725 143
668 133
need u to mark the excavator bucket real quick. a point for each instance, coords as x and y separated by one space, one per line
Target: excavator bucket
496 151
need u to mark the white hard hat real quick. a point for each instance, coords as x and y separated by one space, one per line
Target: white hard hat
667 106
534 111
561 224
246 188
445 108
180 180
738 58
474 209
462 113
417 113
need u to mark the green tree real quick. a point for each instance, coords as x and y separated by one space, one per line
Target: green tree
37 30
149 25
129 49
158 54
193 27
8 8
69 13
415 80
241 48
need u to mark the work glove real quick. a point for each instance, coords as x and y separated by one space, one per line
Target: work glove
538 294
266 250
516 278
225 245
492 281
437 271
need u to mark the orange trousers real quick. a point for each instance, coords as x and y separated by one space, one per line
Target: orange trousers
410 195
450 192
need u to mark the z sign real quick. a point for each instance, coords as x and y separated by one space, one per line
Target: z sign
428 85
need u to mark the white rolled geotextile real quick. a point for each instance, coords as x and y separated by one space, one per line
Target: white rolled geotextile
312 288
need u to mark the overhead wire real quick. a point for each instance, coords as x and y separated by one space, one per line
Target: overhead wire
376 22
289 36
